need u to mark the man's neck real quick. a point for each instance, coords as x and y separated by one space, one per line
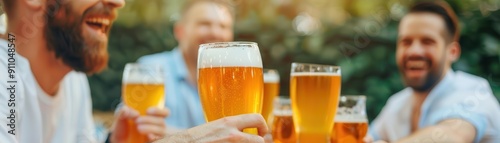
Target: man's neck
47 69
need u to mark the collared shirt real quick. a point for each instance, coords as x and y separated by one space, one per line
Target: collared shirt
181 97
457 96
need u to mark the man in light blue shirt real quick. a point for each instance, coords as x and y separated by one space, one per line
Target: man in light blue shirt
439 105
202 21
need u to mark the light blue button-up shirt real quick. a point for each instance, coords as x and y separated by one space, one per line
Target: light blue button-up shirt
457 95
181 97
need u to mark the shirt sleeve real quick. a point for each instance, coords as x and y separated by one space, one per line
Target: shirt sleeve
461 111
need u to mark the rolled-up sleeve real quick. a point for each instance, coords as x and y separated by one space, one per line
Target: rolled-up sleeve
477 119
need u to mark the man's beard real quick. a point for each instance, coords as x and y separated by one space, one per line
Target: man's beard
65 37
430 80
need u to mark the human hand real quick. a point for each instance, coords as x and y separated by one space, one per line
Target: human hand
152 124
228 129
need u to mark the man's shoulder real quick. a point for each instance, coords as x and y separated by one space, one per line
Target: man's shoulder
463 79
155 56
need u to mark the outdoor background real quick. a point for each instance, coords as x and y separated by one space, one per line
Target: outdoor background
358 35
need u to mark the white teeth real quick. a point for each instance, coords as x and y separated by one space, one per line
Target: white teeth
103 21
415 64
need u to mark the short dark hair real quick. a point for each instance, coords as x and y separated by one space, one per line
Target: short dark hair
225 3
444 10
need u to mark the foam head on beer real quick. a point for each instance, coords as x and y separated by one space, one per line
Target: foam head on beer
229 54
271 77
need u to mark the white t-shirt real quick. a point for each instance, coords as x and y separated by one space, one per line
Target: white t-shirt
457 96
40 118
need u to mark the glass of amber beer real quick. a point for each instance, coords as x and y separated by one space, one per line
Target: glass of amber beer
230 79
143 87
283 130
271 91
351 123
315 90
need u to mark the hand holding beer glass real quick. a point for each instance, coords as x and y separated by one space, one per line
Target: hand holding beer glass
351 123
143 87
230 80
315 90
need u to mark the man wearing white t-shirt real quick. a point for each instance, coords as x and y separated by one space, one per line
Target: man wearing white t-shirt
439 104
48 48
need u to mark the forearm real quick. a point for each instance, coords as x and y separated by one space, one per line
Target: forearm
434 134
179 136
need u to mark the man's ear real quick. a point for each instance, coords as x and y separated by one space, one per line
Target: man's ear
454 52
178 31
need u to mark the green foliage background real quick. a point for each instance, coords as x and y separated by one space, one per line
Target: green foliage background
358 35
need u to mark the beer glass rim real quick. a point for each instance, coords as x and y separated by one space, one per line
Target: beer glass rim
227 44
135 64
319 65
353 96
268 70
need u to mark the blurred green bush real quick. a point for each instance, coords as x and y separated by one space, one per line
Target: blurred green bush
358 35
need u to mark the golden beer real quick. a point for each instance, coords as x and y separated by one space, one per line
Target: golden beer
349 132
314 102
140 97
271 90
283 130
228 91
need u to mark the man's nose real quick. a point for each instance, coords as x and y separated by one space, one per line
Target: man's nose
216 32
416 48
114 3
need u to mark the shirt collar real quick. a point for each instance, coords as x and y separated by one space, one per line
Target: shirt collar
179 64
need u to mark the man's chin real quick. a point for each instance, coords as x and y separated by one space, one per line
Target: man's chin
415 84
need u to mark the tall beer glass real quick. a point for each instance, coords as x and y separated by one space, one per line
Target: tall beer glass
143 87
283 130
230 80
315 90
351 123
271 91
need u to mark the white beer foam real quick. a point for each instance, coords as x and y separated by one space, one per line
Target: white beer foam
233 56
141 79
271 78
282 112
314 74
351 118
149 76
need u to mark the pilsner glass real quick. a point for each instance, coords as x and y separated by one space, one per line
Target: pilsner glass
230 80
351 123
143 87
271 91
315 90
283 130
